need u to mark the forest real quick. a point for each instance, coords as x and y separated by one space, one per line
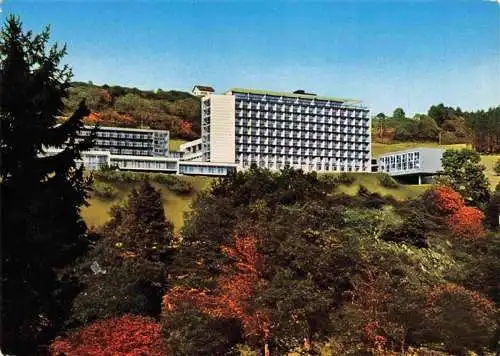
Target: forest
442 124
172 110
266 263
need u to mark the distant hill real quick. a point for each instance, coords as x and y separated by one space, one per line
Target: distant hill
172 110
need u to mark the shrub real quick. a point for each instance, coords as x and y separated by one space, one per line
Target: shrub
443 200
104 190
171 182
127 335
497 167
459 318
467 223
387 181
346 178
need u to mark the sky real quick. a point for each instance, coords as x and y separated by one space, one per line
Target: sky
409 54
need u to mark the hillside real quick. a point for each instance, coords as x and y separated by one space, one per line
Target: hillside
171 110
175 204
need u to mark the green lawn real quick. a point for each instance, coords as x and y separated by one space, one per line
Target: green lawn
97 213
489 161
371 182
174 144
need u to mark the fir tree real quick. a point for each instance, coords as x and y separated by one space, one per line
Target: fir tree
42 230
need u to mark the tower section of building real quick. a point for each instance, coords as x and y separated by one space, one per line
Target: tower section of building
275 130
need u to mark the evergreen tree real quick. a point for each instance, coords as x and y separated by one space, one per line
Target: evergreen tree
42 230
126 271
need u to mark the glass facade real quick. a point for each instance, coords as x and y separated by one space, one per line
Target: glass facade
399 162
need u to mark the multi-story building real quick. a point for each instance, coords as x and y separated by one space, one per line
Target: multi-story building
129 141
144 150
416 162
275 129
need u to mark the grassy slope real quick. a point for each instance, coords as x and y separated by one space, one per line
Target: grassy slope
97 213
176 205
174 144
371 182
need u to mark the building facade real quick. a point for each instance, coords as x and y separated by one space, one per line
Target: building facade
418 162
129 141
275 130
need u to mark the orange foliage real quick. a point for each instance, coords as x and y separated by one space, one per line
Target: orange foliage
446 200
127 335
93 118
231 299
467 222
185 128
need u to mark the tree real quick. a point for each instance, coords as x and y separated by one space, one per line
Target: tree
497 167
42 230
459 318
398 114
467 223
126 335
133 254
466 176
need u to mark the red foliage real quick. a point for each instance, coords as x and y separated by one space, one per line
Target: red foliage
93 118
231 299
467 222
127 335
371 331
185 128
446 200
449 303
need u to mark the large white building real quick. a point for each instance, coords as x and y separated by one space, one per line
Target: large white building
276 129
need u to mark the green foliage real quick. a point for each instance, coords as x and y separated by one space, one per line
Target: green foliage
42 231
189 332
387 181
132 255
466 176
345 178
131 107
170 181
398 114
381 251
104 190
497 167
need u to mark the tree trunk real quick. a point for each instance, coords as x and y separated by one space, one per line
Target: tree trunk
266 349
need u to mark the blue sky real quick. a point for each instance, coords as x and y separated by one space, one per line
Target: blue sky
387 53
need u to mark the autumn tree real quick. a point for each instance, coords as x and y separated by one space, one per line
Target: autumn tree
443 200
42 230
126 271
467 223
124 335
466 176
231 298
459 318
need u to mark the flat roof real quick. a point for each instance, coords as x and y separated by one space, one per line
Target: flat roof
292 95
414 149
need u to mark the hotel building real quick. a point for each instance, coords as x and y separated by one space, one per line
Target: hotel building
275 130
